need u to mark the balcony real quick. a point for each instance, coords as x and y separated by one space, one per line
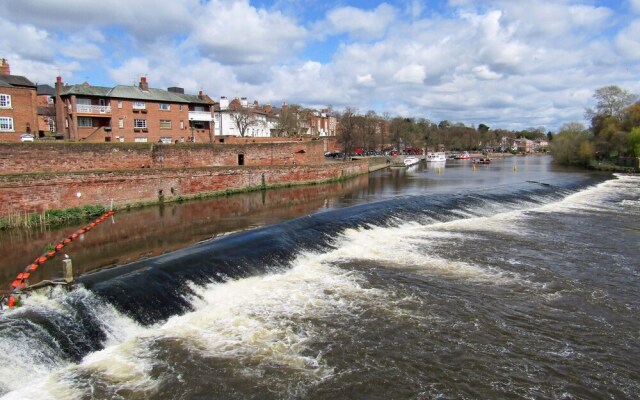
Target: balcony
91 109
200 116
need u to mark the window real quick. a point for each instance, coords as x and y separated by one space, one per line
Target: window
50 100
165 124
52 125
84 102
119 103
180 107
85 122
140 140
181 124
139 105
121 123
139 123
166 140
5 101
6 124
198 108
165 106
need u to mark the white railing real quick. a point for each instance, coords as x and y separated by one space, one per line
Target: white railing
200 116
91 109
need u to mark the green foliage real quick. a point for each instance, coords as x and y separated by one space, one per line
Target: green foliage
59 217
633 142
572 146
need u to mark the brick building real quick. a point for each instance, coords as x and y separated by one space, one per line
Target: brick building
132 114
46 111
18 109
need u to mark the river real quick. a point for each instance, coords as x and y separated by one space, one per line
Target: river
514 280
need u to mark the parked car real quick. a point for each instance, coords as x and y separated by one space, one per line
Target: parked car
27 137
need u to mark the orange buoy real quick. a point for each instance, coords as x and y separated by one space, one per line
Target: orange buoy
12 301
81 231
51 253
41 260
32 267
59 246
23 275
66 241
74 236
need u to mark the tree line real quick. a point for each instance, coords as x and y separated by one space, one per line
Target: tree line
373 132
614 131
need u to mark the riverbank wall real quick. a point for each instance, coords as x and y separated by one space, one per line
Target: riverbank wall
37 178
35 193
17 158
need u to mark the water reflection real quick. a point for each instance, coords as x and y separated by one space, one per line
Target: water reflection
129 236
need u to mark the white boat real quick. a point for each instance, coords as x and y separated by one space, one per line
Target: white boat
436 157
409 161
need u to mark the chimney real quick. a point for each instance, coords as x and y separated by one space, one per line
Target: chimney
144 86
4 67
224 103
201 95
175 89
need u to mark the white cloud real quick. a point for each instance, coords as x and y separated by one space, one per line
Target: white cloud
491 61
237 33
485 73
410 74
142 18
359 23
628 41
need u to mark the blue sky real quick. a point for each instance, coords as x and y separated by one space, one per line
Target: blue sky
505 63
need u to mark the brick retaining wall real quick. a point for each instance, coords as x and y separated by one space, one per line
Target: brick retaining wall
17 158
42 191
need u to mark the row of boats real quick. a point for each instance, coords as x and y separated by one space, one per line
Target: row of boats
441 157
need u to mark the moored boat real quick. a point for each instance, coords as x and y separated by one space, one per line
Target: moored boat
436 157
409 161
463 156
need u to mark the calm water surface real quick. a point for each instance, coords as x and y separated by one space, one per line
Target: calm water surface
516 280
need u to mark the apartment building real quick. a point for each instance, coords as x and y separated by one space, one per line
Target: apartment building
18 109
132 114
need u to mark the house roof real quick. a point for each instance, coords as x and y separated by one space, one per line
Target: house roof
46 90
16 81
133 93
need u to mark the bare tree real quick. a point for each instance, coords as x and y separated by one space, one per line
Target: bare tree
244 118
347 130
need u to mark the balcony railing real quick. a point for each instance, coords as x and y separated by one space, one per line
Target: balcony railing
91 109
200 116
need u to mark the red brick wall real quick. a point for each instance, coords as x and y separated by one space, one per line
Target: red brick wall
38 192
24 112
68 157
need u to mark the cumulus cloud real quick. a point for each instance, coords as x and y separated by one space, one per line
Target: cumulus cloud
491 61
236 33
145 19
359 23
628 41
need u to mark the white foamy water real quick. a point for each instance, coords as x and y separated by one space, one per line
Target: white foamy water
256 321
610 195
